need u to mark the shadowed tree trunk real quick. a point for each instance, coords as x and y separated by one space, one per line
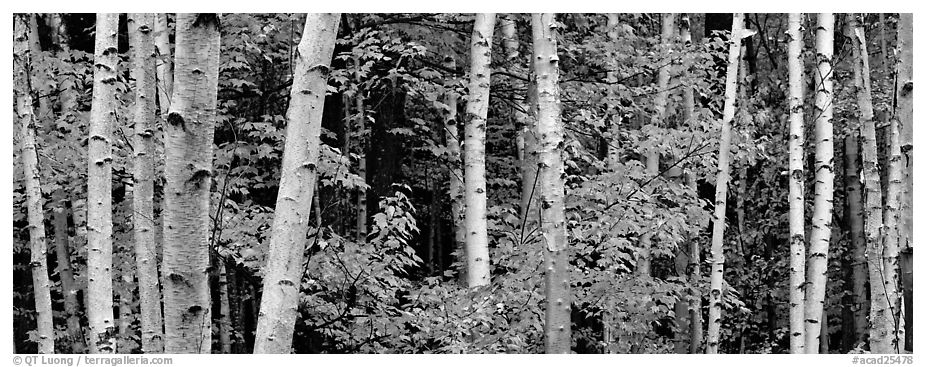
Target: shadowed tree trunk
455 174
854 208
904 114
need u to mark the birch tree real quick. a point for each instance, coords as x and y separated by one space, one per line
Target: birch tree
284 269
644 258
904 114
854 210
796 181
361 119
477 109
165 65
882 337
452 136
720 195
188 170
557 324
823 186
34 201
143 71
67 92
99 187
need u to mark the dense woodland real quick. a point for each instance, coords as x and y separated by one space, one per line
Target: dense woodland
459 183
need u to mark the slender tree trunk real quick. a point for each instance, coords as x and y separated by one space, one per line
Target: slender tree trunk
284 269
882 25
143 70
224 319
614 127
904 114
188 147
644 259
857 238
881 338
99 187
613 156
696 332
796 181
557 325
165 64
891 234
477 108
818 251
720 196
682 333
526 139
34 200
362 170
69 288
455 174
39 82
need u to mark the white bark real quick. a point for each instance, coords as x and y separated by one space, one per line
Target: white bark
557 325
99 187
477 109
720 196
452 136
165 65
644 257
817 255
143 71
34 201
882 292
188 170
284 269
796 181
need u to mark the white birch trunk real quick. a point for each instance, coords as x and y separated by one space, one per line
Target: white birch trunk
284 269
882 323
477 109
557 324
452 136
720 196
796 181
99 187
817 254
165 65
149 289
188 170
34 201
